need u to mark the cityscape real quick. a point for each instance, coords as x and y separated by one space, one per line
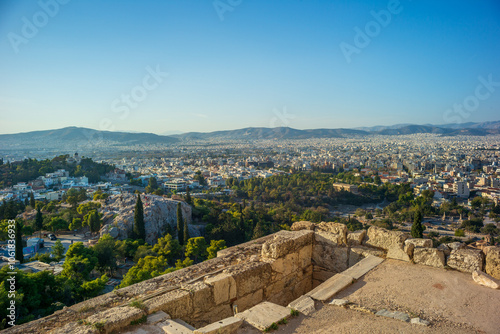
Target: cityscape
236 167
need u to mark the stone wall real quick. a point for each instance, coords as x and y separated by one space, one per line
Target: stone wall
278 268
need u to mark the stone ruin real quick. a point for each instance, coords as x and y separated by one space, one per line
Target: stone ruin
118 216
294 268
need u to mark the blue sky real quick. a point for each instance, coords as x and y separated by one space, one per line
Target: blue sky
236 63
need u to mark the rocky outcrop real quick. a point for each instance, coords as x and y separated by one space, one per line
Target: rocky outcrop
356 238
429 257
419 243
333 230
492 263
158 213
466 260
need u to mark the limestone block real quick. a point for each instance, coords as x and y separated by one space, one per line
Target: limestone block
251 277
225 326
303 304
418 321
286 242
176 327
262 316
332 258
429 257
305 256
485 279
455 245
394 314
445 249
201 295
492 266
334 228
214 314
224 287
466 260
157 317
324 237
419 243
177 303
252 299
116 318
356 238
387 240
360 252
322 275
303 225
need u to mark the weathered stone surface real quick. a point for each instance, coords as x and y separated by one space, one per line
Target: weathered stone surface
418 242
334 228
485 279
201 295
75 328
251 277
321 274
455 245
225 326
303 304
445 249
466 260
356 238
325 237
286 242
358 253
394 314
302 225
330 257
339 302
418 321
362 267
250 300
329 288
392 241
264 315
429 257
116 318
224 287
157 317
177 303
492 263
305 256
176 327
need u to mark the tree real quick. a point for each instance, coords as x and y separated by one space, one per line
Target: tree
32 200
417 229
19 242
105 253
146 268
215 246
93 220
139 227
75 224
188 196
180 225
197 248
152 185
185 231
39 220
79 262
58 223
167 247
258 231
93 288
57 250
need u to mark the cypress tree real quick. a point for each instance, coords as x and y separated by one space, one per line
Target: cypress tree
186 231
417 229
19 242
32 200
139 228
188 196
180 227
39 220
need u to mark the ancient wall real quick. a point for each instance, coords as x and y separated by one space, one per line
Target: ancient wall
278 268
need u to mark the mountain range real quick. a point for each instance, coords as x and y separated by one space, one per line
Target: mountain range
74 137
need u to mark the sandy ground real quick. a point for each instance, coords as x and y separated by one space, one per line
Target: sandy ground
450 300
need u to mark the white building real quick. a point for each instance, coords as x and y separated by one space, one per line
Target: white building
461 189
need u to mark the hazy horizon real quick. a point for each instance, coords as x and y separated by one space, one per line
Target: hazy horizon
212 66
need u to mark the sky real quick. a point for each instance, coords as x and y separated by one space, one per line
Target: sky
188 65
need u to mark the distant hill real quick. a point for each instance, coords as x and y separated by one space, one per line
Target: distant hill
75 137
79 139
